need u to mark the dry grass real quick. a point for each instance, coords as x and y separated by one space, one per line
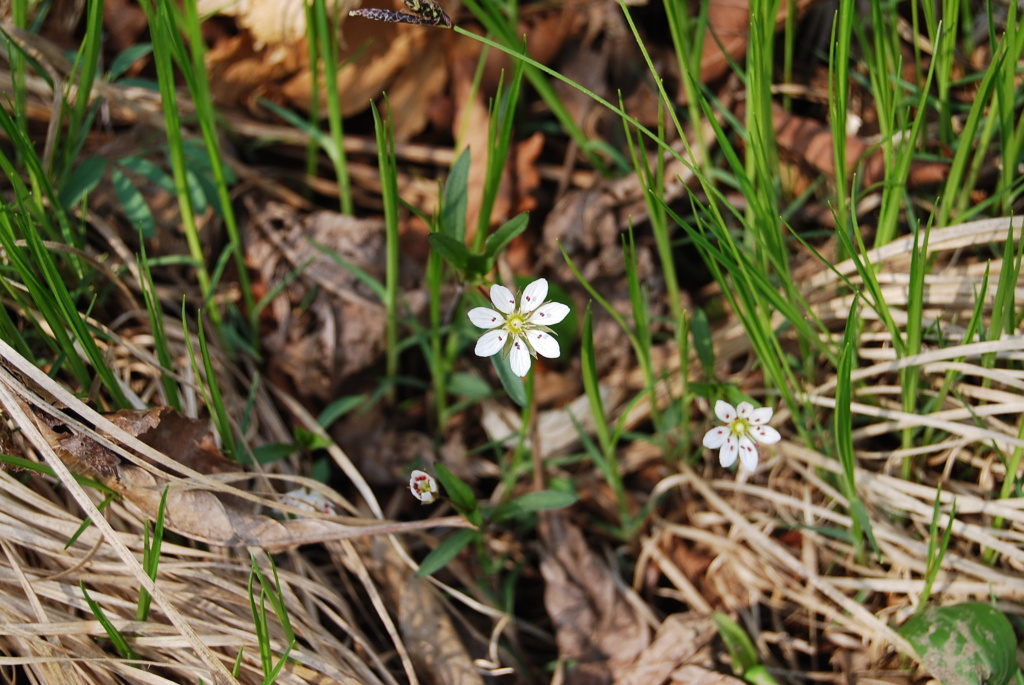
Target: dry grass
361 617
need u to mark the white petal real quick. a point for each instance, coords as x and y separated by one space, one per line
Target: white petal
715 437
519 359
748 454
727 457
761 415
549 314
766 435
544 344
725 412
534 295
490 343
423 486
744 409
482 317
503 299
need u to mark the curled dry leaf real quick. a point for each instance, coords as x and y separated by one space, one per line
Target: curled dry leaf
680 641
698 675
319 343
595 625
272 22
434 644
213 511
585 224
407 62
269 59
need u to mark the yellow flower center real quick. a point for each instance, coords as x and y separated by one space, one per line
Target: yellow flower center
515 323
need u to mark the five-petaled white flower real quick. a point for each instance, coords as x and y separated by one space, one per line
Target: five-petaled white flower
423 486
521 331
745 427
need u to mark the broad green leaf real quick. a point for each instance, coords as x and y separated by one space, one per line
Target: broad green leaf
741 649
964 644
700 330
497 241
453 210
273 451
452 250
534 501
126 59
460 494
339 407
148 170
311 441
446 551
133 201
84 178
512 383
468 386
196 191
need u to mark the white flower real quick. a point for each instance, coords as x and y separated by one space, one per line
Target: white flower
423 486
521 331
745 427
310 500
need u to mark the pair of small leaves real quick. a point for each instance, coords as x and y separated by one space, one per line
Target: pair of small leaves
475 265
465 503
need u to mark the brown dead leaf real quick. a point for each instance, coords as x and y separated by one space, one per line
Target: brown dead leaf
584 223
698 675
318 343
269 59
694 562
189 441
85 456
725 38
524 156
244 73
224 520
405 61
82 455
213 512
272 22
380 445
595 626
427 630
679 639
414 86
810 142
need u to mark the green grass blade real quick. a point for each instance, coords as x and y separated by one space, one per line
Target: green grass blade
116 637
389 197
324 32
